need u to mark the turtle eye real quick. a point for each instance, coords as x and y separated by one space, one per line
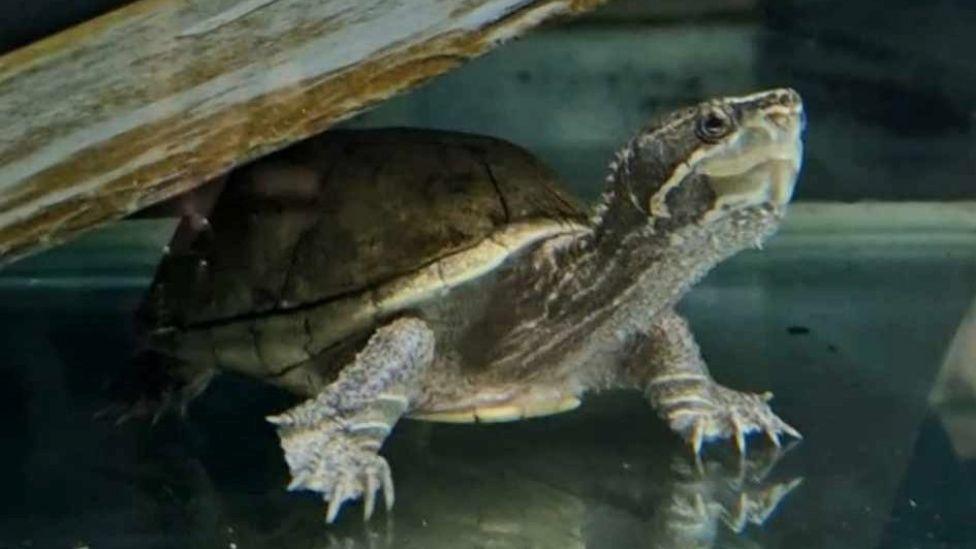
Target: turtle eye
713 125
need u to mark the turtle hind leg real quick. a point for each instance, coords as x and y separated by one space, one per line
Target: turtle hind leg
331 441
155 386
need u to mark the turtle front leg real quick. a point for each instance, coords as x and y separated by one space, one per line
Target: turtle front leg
331 441
670 369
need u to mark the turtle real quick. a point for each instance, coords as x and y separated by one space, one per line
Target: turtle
388 273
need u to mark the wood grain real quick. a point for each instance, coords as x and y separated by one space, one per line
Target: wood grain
153 99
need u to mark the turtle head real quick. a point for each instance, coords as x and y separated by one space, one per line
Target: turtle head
723 159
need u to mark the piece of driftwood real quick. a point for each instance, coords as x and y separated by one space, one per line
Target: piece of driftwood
151 100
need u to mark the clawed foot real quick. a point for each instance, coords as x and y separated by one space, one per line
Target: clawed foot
153 389
144 407
335 464
331 441
722 413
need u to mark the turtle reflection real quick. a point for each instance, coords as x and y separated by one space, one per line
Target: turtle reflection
666 499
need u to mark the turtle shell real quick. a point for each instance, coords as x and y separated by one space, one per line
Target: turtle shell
347 211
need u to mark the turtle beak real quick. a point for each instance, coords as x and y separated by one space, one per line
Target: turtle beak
761 165
785 126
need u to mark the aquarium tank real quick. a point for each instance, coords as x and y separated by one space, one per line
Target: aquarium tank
556 273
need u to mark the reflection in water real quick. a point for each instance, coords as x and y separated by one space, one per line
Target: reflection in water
707 494
459 499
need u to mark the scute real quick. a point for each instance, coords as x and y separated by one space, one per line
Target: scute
347 211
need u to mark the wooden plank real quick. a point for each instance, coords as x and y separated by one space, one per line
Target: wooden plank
152 99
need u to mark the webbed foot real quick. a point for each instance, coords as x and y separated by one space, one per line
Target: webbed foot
718 412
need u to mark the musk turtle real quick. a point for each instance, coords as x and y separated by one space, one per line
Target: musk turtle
396 273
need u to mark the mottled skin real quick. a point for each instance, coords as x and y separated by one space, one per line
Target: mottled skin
564 304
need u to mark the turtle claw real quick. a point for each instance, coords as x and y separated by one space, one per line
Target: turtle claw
280 419
369 498
727 414
696 438
156 387
366 486
341 493
788 429
388 494
337 465
153 409
740 436
299 481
